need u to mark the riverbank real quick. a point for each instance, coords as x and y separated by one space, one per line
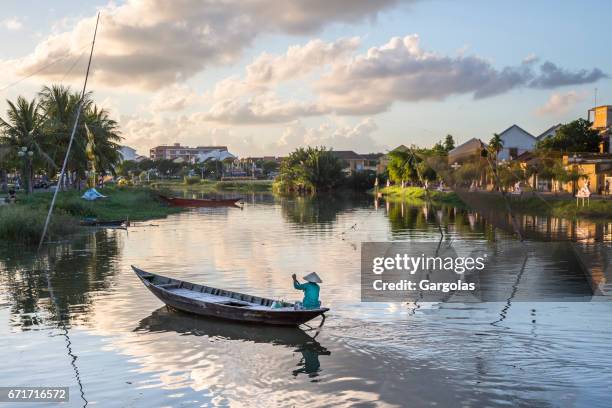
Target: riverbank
23 221
556 206
212 186
417 194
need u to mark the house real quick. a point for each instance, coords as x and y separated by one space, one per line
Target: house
129 153
353 161
466 151
551 131
602 122
372 161
186 153
596 168
516 141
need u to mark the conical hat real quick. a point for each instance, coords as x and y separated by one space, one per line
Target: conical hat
312 277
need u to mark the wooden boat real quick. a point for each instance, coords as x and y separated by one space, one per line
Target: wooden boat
97 223
224 304
199 202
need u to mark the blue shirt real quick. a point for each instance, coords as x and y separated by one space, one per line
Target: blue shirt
311 294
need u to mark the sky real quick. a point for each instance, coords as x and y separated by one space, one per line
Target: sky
264 77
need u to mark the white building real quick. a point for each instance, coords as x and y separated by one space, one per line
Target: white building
129 153
551 131
516 141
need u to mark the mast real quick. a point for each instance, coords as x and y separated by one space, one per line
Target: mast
74 128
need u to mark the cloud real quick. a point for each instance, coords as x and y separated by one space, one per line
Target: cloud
268 70
151 44
358 138
174 98
265 108
12 24
559 103
401 70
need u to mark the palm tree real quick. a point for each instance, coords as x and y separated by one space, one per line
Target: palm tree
496 144
22 131
60 105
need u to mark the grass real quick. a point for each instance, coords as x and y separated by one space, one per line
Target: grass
554 206
23 222
417 194
212 186
24 225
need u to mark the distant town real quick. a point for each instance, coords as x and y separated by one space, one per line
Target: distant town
534 155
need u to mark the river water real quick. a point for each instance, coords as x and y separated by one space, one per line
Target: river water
102 334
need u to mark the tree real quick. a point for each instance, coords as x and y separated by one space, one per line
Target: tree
449 143
22 130
402 166
268 166
310 170
576 136
496 144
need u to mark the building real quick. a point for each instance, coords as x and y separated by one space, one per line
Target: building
596 168
353 161
516 141
186 153
602 122
129 153
466 151
551 131
372 161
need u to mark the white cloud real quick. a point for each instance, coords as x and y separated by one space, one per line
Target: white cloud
174 98
12 24
358 138
151 44
401 70
264 108
560 103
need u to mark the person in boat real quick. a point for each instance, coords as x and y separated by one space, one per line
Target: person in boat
311 290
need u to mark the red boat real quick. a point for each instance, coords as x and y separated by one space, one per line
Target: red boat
199 202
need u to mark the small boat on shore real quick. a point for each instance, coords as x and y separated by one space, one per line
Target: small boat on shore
199 202
93 222
224 304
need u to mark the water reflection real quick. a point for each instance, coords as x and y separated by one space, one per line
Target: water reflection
166 319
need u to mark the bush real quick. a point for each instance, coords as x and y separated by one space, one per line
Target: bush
189 181
24 225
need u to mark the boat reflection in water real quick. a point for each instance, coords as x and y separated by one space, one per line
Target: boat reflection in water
166 319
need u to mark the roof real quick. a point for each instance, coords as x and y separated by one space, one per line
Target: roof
347 155
473 143
372 156
518 127
547 131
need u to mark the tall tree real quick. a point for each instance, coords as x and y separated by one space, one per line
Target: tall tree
576 136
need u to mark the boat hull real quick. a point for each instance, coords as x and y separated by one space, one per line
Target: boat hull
223 311
194 202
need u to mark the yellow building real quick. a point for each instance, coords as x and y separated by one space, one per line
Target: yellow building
602 122
596 168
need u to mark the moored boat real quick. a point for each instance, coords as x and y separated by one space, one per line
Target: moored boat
199 202
98 223
224 304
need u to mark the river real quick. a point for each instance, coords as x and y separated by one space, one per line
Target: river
102 334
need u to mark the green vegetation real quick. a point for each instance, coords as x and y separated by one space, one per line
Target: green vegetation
35 135
212 186
23 221
556 207
309 170
417 194
24 225
576 136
